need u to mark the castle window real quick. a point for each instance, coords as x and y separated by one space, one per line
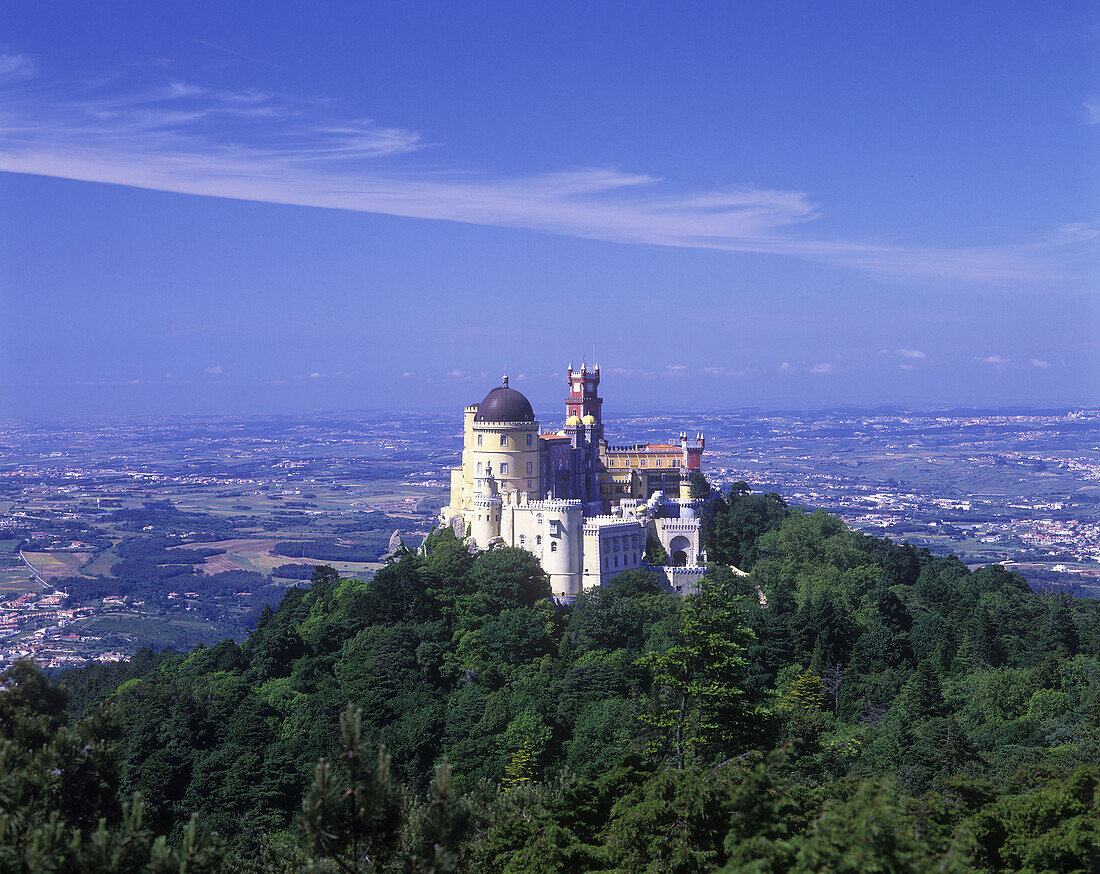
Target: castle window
479 468
478 439
616 561
503 439
530 470
521 539
538 540
529 439
553 546
504 468
528 483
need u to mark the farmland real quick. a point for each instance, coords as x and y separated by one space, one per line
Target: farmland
156 532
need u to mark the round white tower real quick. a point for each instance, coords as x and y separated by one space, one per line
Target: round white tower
561 544
485 509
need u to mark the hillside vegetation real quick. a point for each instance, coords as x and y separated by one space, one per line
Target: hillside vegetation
850 705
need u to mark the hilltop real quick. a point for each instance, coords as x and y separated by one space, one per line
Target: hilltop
850 700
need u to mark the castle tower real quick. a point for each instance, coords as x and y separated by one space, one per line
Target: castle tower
560 523
584 426
486 507
584 397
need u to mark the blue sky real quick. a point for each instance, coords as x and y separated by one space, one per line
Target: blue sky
214 207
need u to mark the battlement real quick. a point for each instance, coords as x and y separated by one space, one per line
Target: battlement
505 426
691 570
680 524
643 447
556 505
594 523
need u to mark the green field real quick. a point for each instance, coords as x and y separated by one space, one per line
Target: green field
153 631
17 580
57 564
100 566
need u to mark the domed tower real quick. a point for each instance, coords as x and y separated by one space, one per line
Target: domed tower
501 432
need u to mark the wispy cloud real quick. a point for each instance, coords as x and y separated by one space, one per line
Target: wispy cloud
1092 110
214 369
16 67
630 371
176 136
1037 362
723 371
823 368
911 353
997 362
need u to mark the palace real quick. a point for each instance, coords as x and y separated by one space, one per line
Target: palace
585 508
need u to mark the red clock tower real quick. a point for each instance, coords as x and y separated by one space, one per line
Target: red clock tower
584 399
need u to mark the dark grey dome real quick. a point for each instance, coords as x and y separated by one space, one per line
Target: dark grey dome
505 404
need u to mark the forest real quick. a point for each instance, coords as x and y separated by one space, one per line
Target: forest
850 704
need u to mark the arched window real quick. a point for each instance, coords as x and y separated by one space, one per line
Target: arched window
529 436
553 546
479 468
538 540
530 468
503 439
478 439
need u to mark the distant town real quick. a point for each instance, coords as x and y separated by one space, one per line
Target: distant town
176 532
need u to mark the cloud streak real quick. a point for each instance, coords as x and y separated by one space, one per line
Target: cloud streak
1092 110
253 145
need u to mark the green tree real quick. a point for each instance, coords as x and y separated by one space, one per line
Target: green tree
351 815
700 487
807 691
655 554
439 830
922 697
59 808
701 706
732 527
504 578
